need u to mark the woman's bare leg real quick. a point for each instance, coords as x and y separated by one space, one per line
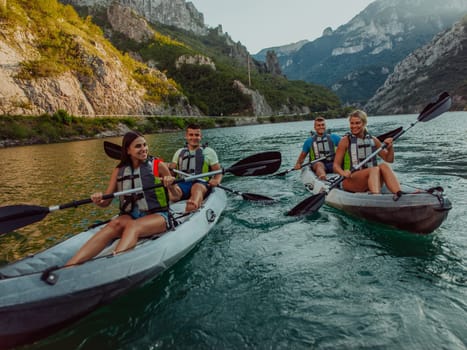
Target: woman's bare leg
358 181
374 180
146 226
389 178
100 240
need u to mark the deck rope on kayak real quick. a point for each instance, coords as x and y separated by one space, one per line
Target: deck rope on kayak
436 191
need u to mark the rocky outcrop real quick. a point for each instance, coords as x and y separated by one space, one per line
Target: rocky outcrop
199 60
178 13
108 87
259 104
272 64
327 31
284 50
124 20
425 73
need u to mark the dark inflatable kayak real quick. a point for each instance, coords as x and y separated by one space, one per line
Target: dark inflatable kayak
38 297
419 212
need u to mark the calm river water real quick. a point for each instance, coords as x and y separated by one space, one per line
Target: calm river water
261 280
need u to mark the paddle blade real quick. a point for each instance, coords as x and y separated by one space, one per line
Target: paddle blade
257 164
308 206
15 216
257 198
391 133
112 150
435 109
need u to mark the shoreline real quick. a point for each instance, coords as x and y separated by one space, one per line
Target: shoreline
66 129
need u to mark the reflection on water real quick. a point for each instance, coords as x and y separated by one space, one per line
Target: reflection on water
261 279
429 257
55 174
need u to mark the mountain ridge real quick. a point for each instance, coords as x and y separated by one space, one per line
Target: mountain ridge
425 73
356 58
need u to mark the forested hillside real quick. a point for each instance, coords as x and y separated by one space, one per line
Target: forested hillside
111 61
216 74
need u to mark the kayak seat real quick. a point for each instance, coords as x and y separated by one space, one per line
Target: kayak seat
176 220
109 250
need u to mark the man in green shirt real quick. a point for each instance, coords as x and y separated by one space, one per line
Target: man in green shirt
194 159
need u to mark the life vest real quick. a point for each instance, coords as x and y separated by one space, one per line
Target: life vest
322 146
192 163
358 150
146 175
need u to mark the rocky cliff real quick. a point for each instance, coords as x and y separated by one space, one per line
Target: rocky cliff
181 14
77 71
436 67
177 13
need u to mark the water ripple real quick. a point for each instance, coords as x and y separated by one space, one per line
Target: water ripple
260 279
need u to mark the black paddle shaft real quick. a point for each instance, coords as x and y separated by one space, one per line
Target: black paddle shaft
17 216
246 196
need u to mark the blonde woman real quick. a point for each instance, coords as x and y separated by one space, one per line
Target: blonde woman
358 145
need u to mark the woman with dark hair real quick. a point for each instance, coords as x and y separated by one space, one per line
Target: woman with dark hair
142 214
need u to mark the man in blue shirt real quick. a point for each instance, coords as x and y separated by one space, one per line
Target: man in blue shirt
321 144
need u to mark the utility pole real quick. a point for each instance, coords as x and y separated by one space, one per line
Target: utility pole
248 63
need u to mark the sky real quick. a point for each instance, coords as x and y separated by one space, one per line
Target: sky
260 24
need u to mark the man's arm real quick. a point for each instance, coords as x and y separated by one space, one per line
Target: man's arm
216 179
300 160
213 162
